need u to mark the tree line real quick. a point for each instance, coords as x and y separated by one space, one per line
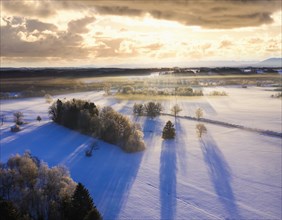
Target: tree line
179 91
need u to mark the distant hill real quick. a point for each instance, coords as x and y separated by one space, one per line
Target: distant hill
272 62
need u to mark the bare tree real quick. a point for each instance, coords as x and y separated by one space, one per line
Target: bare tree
199 113
175 110
201 129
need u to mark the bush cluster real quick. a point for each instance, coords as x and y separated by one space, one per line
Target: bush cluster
31 190
105 124
218 93
180 91
151 109
277 95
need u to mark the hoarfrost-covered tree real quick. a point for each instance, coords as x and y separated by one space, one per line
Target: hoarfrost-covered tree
34 188
138 109
135 140
175 110
153 109
199 113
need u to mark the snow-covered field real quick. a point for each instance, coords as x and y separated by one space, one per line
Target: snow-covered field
229 174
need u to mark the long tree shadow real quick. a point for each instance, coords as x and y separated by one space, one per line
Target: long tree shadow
220 176
181 137
167 179
50 142
109 175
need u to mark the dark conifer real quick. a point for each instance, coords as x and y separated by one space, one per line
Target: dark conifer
168 131
82 203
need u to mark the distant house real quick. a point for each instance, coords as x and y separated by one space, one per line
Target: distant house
279 71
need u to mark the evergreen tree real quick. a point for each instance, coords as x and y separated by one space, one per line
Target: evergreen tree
168 131
81 203
38 118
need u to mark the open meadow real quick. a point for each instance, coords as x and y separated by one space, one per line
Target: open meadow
228 173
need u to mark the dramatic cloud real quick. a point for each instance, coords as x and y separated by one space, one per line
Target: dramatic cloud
222 14
33 38
107 32
208 14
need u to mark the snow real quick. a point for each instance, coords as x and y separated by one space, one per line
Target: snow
228 174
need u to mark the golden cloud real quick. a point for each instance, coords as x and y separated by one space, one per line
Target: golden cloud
220 14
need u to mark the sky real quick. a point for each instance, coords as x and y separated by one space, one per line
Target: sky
44 33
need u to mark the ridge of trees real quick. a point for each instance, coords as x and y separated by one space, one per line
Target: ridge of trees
105 123
179 91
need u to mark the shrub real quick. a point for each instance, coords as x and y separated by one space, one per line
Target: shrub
153 109
92 147
18 118
38 118
138 109
15 128
168 131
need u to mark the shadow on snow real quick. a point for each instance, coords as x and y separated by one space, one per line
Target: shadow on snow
109 174
168 180
220 176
